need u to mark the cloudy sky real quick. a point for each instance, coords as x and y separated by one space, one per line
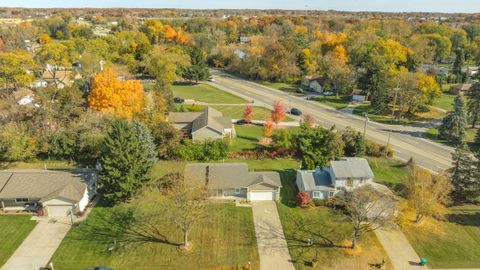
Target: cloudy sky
349 5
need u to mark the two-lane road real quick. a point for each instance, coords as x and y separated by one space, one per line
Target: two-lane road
427 154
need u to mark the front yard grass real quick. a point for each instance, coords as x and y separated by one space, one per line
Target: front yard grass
205 93
385 117
445 101
453 243
226 238
13 230
332 101
434 135
286 87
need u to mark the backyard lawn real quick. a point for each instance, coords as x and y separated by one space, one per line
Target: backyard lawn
236 112
449 244
388 171
13 230
247 137
226 238
205 93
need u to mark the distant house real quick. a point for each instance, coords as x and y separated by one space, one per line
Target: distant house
244 39
460 88
23 96
234 180
50 193
358 96
342 175
313 83
205 124
61 77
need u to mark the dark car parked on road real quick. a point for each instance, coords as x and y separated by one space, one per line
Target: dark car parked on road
295 111
178 100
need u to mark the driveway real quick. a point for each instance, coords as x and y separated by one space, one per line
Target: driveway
39 246
401 253
272 246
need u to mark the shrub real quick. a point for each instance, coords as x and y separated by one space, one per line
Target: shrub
319 202
303 199
202 151
377 150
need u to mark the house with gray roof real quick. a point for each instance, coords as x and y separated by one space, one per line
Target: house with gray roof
233 180
205 124
47 192
344 174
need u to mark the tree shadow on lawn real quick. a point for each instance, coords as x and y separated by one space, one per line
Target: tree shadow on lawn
463 218
123 226
289 189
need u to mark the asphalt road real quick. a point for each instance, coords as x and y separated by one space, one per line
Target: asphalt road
405 141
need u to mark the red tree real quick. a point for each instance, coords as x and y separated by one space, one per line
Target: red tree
278 113
268 128
308 120
248 114
303 199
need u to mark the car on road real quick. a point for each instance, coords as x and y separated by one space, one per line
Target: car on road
211 79
178 100
295 111
328 94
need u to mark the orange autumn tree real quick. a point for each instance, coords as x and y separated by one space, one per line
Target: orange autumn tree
268 128
109 94
278 113
248 114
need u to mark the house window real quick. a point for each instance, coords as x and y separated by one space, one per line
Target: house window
21 200
237 191
349 182
330 194
316 194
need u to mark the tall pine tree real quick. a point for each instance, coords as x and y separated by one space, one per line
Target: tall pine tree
198 70
454 124
125 164
458 64
473 105
465 175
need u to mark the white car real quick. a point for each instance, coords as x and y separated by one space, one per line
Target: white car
211 80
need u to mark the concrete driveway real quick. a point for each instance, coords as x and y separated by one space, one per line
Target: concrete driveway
272 246
39 246
401 253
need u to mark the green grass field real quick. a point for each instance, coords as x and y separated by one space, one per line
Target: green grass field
386 117
247 137
205 93
388 171
225 238
449 244
445 101
236 112
286 87
13 230
334 102
434 135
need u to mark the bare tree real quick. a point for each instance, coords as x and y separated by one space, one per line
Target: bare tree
368 208
185 206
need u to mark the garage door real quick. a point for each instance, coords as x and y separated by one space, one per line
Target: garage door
58 210
261 196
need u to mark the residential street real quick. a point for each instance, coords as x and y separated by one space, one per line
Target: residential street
272 246
39 246
404 140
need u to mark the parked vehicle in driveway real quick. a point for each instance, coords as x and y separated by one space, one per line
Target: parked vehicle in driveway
178 100
295 111
211 79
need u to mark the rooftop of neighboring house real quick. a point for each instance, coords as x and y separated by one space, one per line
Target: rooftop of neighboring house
228 175
44 184
206 117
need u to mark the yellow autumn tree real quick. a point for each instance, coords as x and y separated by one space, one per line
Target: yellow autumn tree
428 87
109 94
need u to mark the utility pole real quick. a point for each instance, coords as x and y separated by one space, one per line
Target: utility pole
388 141
395 102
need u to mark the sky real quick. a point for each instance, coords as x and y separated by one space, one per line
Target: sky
450 6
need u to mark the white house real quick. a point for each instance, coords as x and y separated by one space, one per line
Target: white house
313 83
342 175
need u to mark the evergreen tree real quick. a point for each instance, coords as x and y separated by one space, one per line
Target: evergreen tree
146 140
477 138
473 105
454 124
458 64
465 176
125 164
198 69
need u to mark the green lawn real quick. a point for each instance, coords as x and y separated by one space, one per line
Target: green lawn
14 229
226 238
334 102
449 244
388 171
236 112
445 101
287 87
386 117
247 137
433 135
205 93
